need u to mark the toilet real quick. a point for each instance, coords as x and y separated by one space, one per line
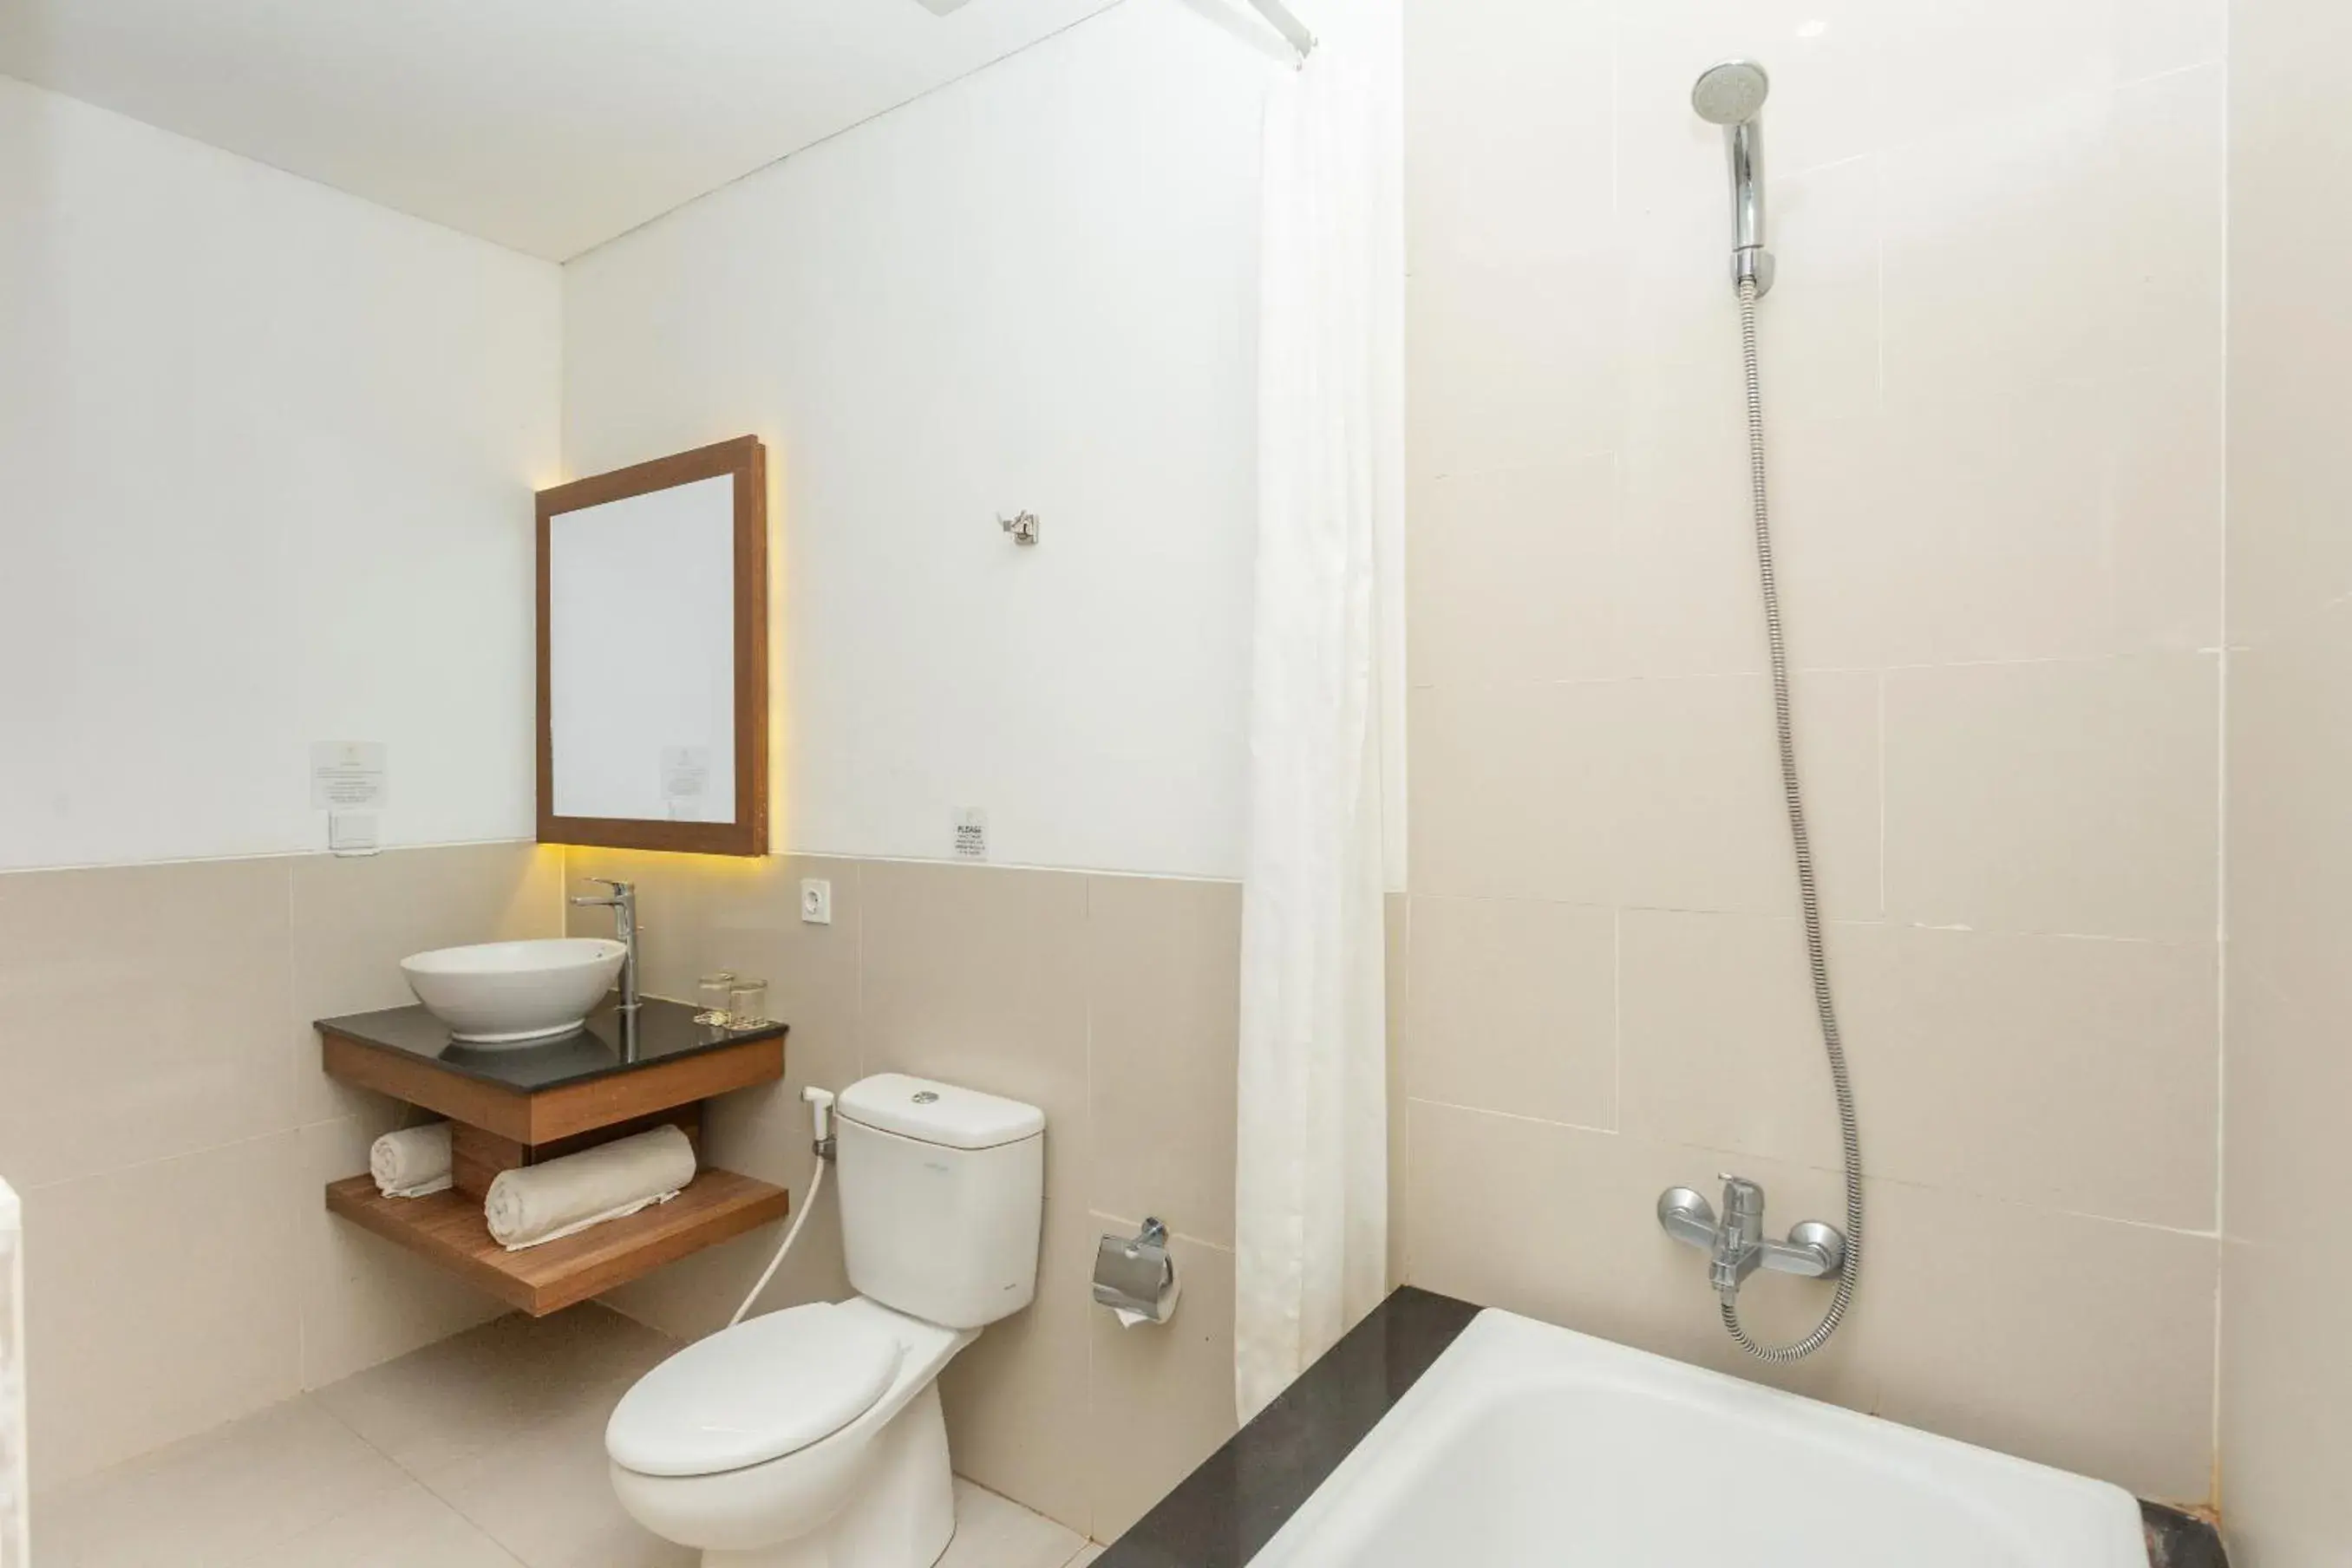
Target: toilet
811 1437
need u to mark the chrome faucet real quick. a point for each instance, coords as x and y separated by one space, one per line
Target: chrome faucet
624 905
1738 1246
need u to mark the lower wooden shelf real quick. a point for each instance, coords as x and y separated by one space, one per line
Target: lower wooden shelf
448 1228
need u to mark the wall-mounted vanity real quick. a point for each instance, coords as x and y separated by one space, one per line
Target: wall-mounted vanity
653 654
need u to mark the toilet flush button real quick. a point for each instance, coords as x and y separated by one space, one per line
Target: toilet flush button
816 902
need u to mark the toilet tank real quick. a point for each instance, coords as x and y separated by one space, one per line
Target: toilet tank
942 1198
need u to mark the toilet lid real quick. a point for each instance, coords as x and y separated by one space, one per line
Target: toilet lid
753 1392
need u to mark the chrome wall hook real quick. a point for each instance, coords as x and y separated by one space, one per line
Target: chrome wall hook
1022 526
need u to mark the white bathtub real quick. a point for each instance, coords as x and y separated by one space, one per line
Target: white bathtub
1528 1445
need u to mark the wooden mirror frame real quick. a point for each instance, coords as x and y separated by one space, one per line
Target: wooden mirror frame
747 460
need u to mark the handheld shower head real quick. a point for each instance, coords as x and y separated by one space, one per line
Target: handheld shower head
1732 95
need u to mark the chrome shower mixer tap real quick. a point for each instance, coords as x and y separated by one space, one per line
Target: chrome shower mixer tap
1737 1245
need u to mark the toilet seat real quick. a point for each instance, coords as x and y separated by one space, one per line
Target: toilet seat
755 1391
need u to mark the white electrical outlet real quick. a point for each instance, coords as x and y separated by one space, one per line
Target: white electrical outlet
816 902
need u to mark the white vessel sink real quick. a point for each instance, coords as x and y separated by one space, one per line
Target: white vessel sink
506 992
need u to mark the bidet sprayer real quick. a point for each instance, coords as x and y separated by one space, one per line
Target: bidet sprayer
820 1101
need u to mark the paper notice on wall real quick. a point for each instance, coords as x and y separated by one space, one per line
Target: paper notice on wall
686 779
971 835
347 775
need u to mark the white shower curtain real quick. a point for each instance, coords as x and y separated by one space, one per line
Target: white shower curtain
1311 1185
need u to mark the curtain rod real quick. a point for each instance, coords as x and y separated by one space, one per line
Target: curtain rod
1280 18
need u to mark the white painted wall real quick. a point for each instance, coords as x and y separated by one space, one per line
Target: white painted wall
1034 289
266 461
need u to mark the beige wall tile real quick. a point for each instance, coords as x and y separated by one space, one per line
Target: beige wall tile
1514 364
163 1299
2102 1334
1689 602
2068 1073
142 1014
354 918
1512 791
1510 575
364 1301
1398 911
977 976
2286 1402
1939 1290
2067 516
2288 554
2073 797
1491 124
1700 824
1161 1395
1560 1222
1656 792
1514 1008
1163 981
1722 1046
2288 1081
2290 753
2078 1074
706 913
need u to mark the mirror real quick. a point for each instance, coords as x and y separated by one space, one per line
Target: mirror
653 657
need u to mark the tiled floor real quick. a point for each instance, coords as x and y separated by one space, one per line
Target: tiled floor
483 1451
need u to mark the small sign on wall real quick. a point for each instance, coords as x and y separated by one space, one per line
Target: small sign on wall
348 775
971 835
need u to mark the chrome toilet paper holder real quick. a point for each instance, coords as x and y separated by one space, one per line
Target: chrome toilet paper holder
1132 1273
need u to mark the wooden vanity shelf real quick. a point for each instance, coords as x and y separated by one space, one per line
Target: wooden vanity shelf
518 1106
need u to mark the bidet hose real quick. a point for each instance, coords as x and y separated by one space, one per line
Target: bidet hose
816 1185
1849 1126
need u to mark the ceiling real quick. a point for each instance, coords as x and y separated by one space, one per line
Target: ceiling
546 125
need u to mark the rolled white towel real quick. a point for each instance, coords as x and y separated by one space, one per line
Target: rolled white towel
543 1203
411 1162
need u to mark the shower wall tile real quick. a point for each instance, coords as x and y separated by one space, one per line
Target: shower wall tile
1512 576
2041 1371
1992 376
2286 1387
1515 1008
2052 373
2069 797
2289 552
1512 791
1513 365
1720 1044
2078 1342
1698 821
1661 794
1489 127
2102 1053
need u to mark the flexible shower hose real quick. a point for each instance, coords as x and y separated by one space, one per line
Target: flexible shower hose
1849 1129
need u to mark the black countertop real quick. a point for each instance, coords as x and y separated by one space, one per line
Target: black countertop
1231 1507
603 1046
